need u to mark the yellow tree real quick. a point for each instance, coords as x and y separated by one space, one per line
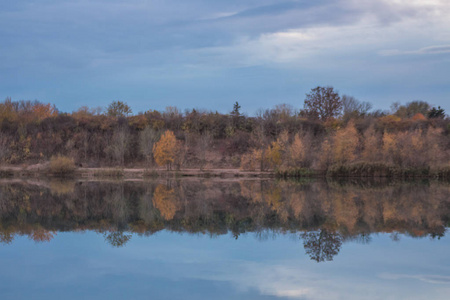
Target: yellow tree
345 144
297 151
325 156
371 152
165 149
389 146
274 154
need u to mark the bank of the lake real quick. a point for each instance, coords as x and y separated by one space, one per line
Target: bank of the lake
357 170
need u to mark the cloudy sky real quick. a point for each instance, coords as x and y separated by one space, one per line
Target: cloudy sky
209 54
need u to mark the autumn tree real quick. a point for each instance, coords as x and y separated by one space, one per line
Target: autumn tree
297 151
274 155
165 149
118 109
410 109
323 103
345 144
371 151
325 157
389 148
42 111
8 110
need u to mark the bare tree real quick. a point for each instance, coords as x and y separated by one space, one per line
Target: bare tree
119 144
147 139
353 108
323 103
203 145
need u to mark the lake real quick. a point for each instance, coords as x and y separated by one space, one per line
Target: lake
196 238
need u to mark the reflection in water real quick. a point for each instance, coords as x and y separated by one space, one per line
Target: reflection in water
322 245
324 215
118 238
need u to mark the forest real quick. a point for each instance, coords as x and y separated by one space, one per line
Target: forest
332 133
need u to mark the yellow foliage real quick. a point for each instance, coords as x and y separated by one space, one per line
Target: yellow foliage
273 154
371 145
325 155
414 148
297 151
61 165
390 119
165 149
389 144
345 144
42 111
7 111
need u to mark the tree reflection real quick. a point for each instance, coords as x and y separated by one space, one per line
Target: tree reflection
165 200
329 213
40 235
322 245
117 239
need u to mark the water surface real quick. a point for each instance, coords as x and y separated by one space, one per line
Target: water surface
224 239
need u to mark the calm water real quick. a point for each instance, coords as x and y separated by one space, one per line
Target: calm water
223 239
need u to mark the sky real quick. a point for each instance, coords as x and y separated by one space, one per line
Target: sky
210 54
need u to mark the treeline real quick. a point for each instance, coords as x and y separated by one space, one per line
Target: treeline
329 131
333 213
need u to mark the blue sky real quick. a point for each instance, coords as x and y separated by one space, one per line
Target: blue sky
209 54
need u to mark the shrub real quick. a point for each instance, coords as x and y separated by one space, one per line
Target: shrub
61 165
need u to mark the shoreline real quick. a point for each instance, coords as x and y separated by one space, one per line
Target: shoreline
41 171
132 173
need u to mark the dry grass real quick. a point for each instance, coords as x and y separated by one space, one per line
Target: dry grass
61 166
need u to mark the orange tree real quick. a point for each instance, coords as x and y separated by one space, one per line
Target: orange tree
164 150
